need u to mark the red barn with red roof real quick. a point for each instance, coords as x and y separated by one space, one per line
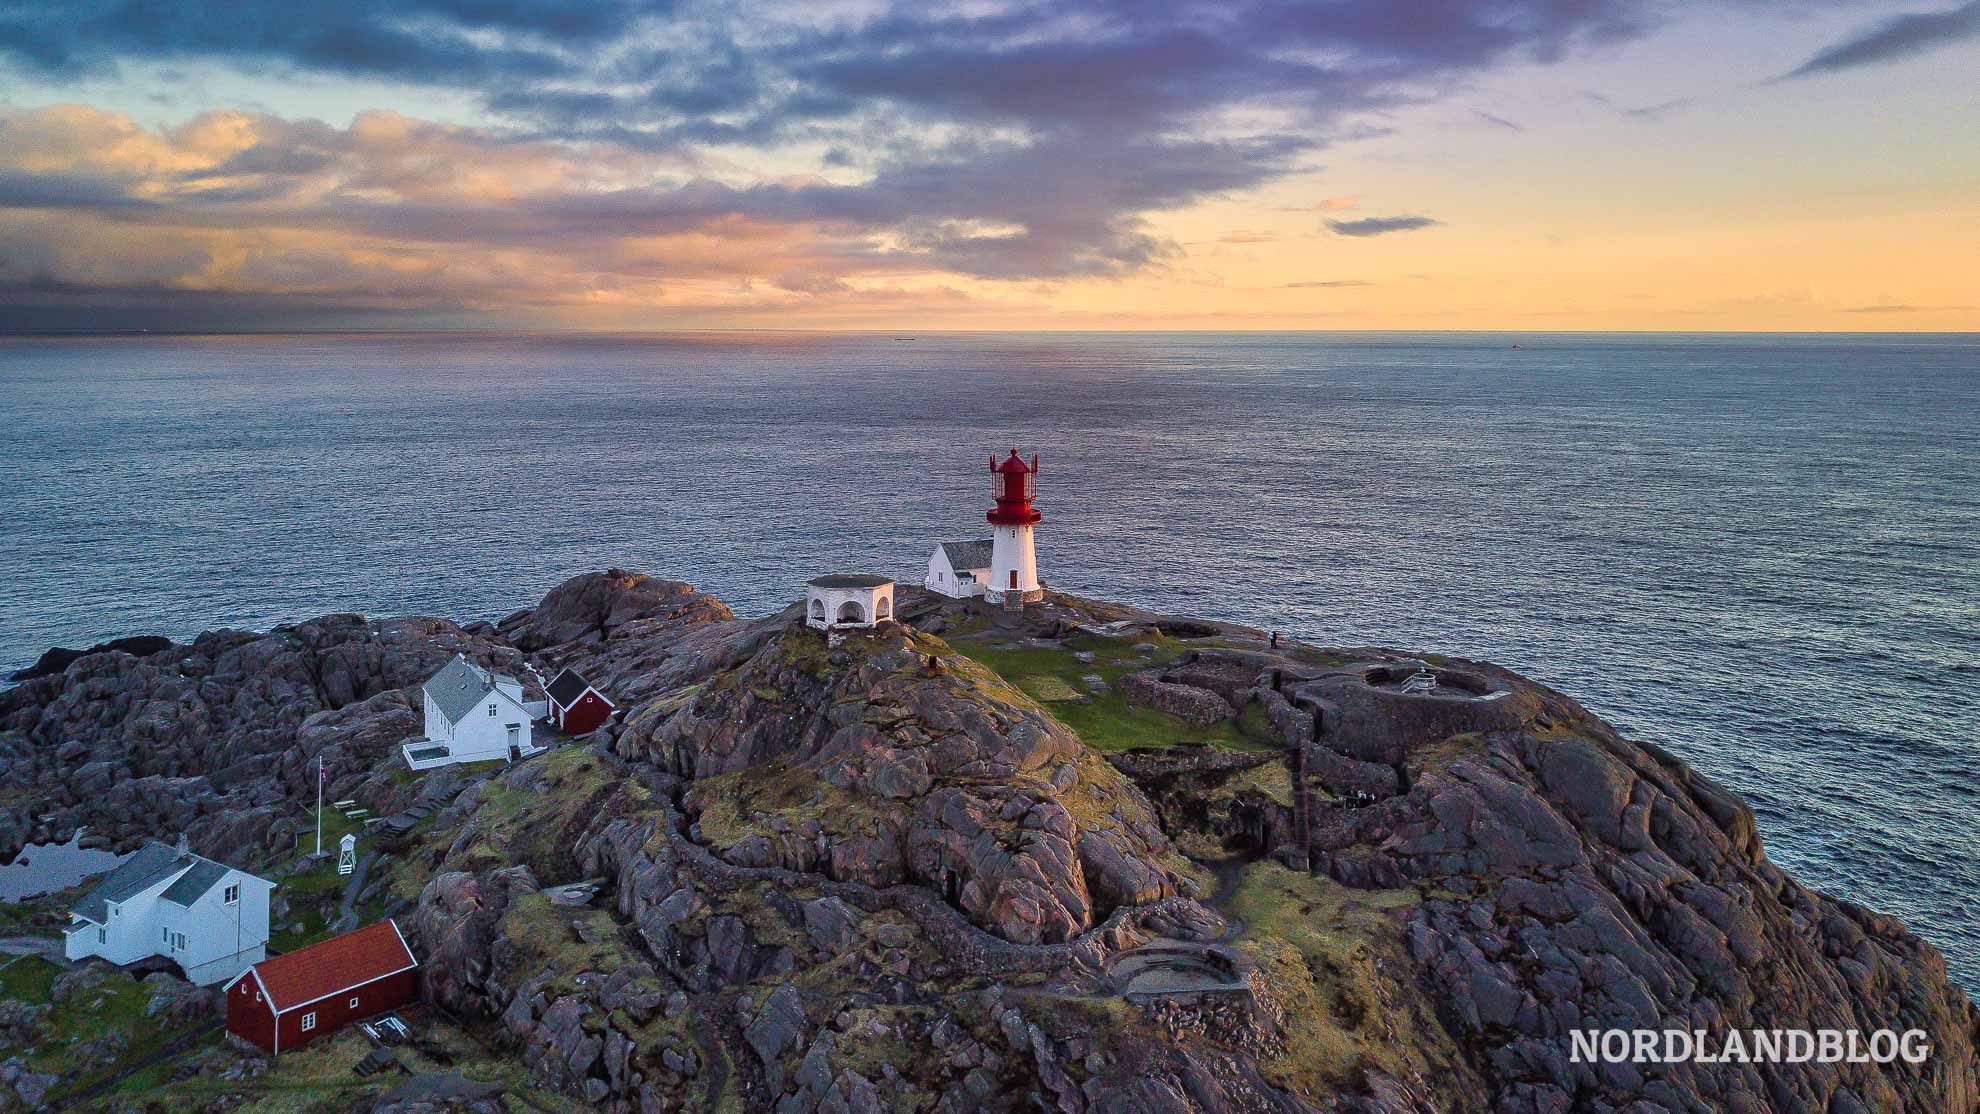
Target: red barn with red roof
576 706
292 999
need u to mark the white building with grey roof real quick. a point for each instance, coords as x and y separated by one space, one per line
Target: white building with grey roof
205 916
960 569
472 715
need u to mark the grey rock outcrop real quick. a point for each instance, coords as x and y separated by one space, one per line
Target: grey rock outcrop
882 772
135 747
832 878
615 604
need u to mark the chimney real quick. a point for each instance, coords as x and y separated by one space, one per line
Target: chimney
185 851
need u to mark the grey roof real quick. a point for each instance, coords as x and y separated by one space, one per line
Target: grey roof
850 580
148 866
194 883
566 687
459 687
964 556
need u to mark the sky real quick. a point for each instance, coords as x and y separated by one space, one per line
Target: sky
1073 164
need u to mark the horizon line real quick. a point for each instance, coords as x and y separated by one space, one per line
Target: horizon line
910 334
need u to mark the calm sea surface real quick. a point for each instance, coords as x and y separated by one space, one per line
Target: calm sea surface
1761 552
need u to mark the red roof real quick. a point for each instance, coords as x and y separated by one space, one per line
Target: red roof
339 963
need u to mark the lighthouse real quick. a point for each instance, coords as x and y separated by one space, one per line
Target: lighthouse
1013 562
1002 568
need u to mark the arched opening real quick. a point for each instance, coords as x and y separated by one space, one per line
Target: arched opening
818 610
885 609
851 612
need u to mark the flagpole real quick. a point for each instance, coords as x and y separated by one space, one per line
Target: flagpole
319 804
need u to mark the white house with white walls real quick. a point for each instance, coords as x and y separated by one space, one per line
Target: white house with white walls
960 570
472 715
207 917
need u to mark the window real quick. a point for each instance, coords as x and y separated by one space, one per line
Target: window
491 709
354 1002
232 896
309 1021
100 935
165 935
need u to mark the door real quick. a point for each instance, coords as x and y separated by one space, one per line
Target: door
515 741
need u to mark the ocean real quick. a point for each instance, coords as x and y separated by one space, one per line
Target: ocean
1761 552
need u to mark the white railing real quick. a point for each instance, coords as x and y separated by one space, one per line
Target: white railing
426 760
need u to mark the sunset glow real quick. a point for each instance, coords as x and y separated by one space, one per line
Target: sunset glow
1614 164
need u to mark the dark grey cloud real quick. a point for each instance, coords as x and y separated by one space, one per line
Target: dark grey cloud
45 305
1381 226
455 42
1895 38
1029 140
23 190
1498 121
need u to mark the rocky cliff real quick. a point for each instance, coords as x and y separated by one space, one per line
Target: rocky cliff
1076 858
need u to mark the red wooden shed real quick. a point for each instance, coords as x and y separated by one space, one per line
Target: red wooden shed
575 705
291 999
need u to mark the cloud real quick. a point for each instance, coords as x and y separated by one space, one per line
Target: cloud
1245 236
1327 205
1898 37
425 41
1639 112
804 282
1331 284
1497 121
1380 226
632 149
1897 307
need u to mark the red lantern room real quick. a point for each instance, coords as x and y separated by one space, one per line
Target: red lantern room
1011 485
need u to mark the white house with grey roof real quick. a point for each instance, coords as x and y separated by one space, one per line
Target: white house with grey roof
472 715
960 569
207 917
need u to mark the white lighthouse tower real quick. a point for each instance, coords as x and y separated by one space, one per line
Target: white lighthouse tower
1013 562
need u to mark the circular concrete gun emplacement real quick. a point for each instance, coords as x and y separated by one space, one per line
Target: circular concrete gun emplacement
1420 679
1178 968
1377 711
